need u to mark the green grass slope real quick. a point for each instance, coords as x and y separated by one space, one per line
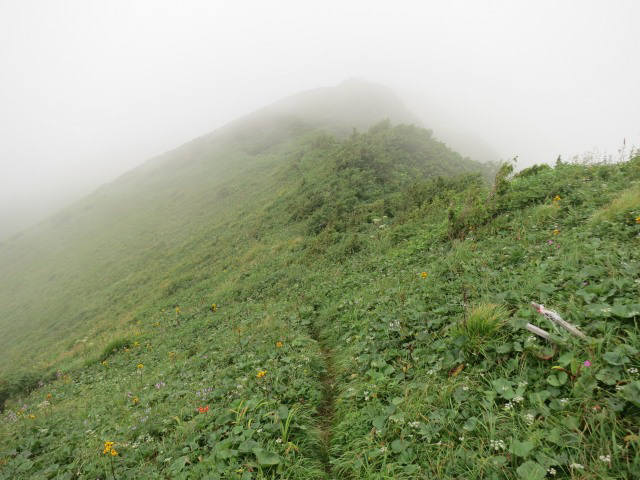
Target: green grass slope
308 306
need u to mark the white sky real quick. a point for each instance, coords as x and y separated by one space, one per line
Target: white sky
89 89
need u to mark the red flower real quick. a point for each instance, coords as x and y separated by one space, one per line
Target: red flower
203 409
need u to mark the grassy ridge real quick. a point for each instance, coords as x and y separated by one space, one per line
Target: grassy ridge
328 353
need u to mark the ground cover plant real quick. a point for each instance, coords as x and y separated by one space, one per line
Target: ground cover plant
359 312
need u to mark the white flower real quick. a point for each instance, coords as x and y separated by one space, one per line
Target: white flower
632 370
465 388
461 439
619 387
523 384
518 399
605 458
414 424
497 445
529 418
564 401
551 471
508 406
576 466
278 440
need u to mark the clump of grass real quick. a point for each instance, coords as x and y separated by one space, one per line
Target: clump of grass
626 203
482 324
113 346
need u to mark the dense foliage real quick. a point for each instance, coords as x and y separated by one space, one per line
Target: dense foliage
336 308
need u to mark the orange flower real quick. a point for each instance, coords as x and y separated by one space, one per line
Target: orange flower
203 409
424 274
261 373
278 344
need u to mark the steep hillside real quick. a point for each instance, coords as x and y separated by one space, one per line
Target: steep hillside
304 304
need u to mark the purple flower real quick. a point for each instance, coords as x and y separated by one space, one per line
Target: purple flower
159 385
587 363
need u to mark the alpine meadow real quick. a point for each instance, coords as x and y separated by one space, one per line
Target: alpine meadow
324 290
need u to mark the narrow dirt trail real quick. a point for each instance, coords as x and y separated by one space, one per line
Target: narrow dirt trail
327 405
326 410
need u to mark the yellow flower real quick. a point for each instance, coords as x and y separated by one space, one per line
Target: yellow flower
177 310
556 198
278 344
140 366
104 363
637 219
424 274
556 231
32 416
136 344
114 453
261 373
136 400
214 307
49 396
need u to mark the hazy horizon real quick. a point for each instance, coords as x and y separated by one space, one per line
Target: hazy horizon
92 89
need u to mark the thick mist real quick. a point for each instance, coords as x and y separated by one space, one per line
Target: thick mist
90 89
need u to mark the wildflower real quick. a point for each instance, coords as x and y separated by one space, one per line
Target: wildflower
550 242
278 344
497 445
172 355
632 370
587 363
114 453
177 310
518 399
424 274
564 401
529 418
465 388
104 363
32 416
108 446
605 458
637 219
576 466
556 231
140 366
49 396
278 440
203 409
557 198
551 471
159 385
508 406
136 344
135 400
214 307
261 373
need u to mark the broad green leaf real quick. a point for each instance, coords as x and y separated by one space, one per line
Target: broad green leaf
265 457
615 357
521 449
531 470
557 379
